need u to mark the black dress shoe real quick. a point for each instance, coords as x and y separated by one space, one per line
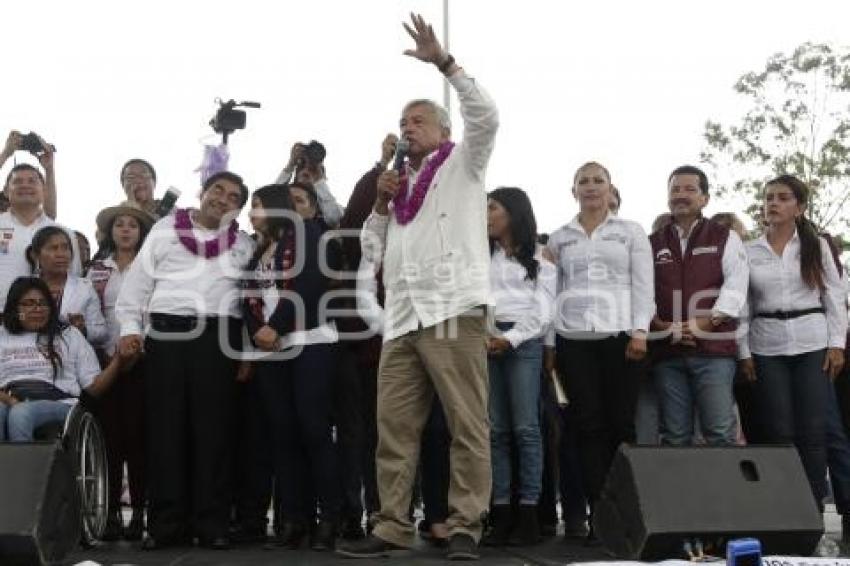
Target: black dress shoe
369 547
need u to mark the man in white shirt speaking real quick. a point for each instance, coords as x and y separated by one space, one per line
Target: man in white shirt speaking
428 229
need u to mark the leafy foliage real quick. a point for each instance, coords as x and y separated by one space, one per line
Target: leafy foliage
798 122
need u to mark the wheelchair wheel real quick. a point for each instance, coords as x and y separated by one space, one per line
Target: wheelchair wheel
84 440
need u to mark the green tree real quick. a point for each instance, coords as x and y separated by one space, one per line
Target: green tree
797 122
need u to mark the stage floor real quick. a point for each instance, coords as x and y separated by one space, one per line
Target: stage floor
552 552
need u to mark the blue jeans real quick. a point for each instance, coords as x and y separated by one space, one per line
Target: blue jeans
22 419
515 412
837 454
792 395
704 382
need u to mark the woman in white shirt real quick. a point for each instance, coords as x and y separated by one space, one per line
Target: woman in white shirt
50 256
523 287
602 315
798 323
123 229
45 366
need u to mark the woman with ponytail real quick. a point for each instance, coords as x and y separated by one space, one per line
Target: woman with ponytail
794 343
523 287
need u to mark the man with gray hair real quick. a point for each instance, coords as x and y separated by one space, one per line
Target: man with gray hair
428 230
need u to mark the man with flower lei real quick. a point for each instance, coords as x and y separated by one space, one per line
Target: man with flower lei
429 231
185 280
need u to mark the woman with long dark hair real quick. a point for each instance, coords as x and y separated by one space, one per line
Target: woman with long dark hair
606 302
45 365
50 255
794 343
523 287
296 379
123 229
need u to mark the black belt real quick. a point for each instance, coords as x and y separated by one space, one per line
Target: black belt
788 315
175 323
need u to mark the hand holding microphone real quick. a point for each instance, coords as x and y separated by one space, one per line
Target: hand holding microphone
388 182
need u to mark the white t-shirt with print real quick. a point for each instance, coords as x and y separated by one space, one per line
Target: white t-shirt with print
22 357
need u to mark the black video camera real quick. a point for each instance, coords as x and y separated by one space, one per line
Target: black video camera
313 154
227 119
32 144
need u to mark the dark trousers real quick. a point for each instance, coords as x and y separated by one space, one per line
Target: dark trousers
190 392
435 461
349 409
547 511
369 387
602 387
122 415
837 455
298 397
792 397
254 461
842 391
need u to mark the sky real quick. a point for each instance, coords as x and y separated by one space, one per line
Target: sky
628 84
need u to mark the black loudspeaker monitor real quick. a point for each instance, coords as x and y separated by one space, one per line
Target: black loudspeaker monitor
655 498
39 504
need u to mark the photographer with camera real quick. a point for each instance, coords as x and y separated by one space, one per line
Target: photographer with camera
36 145
27 190
306 163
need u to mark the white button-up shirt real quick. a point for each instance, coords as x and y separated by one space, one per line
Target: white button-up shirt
605 279
776 284
15 237
114 281
517 299
736 273
79 297
437 266
167 278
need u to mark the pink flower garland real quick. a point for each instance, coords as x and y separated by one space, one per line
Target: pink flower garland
212 248
405 208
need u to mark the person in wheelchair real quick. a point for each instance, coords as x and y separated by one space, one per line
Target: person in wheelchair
46 366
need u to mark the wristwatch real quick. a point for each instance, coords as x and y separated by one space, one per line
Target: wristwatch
445 65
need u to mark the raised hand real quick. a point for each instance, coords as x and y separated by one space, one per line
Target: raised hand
428 48
46 157
13 142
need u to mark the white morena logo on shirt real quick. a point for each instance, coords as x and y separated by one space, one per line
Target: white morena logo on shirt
664 256
705 250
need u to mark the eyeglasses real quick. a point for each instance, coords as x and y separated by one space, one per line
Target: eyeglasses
134 178
33 304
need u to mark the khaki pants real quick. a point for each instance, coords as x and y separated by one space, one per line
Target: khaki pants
413 367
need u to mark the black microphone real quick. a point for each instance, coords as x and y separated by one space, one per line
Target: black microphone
401 149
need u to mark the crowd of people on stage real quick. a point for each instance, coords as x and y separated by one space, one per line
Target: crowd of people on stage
423 344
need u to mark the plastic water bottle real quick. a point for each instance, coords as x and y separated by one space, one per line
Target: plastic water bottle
827 548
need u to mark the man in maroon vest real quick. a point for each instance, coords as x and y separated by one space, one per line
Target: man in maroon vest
701 280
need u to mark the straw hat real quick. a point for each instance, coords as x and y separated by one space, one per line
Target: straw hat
129 208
